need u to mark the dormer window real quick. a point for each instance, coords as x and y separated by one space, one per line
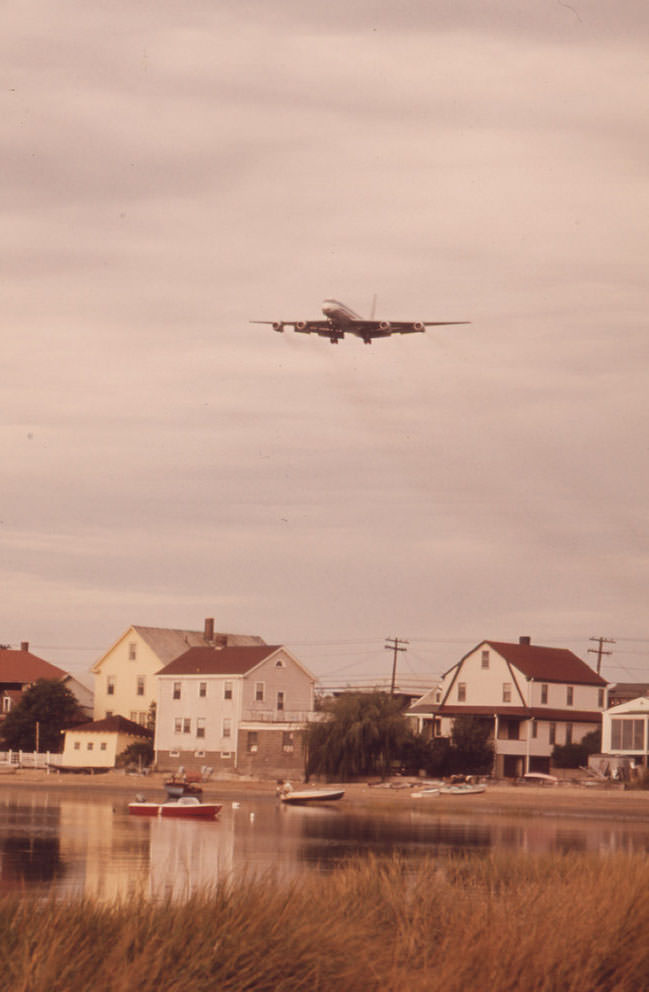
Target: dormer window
484 659
280 663
461 692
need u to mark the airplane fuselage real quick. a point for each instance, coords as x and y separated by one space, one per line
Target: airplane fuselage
340 315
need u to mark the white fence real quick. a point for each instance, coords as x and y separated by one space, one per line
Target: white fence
28 759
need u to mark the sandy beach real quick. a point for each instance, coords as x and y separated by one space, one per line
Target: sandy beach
567 800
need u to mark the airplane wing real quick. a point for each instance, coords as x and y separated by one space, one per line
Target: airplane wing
322 327
384 328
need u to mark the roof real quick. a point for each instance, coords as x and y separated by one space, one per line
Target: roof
547 664
638 705
516 712
170 643
23 667
114 725
219 661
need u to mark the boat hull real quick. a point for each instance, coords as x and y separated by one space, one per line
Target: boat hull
298 798
176 810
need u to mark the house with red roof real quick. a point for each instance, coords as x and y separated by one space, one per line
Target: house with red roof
98 744
534 698
20 669
234 708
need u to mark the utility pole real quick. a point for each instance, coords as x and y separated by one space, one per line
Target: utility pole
599 650
393 644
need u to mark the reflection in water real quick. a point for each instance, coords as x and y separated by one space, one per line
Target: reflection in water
88 846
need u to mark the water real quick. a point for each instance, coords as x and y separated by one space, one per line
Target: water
89 845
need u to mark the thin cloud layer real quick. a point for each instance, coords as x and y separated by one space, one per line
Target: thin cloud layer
170 176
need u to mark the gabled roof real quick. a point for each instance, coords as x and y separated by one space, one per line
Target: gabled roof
638 705
170 642
114 724
547 664
219 661
24 667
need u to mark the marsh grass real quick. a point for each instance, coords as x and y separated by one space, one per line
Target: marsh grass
568 923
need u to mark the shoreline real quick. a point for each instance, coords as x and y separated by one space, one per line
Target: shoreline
500 798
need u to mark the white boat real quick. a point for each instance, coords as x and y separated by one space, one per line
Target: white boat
462 789
297 796
425 793
541 778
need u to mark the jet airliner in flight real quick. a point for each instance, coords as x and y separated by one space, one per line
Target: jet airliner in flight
341 320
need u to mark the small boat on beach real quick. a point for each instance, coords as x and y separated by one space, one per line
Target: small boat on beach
187 807
462 789
300 796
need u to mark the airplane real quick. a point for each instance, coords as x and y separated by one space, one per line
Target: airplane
341 320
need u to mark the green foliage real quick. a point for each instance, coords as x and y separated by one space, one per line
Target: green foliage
364 733
593 741
138 753
47 703
569 755
471 751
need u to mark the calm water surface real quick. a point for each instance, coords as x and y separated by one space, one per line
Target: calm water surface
90 846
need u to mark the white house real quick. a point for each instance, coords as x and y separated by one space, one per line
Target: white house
124 676
625 731
533 697
240 708
98 744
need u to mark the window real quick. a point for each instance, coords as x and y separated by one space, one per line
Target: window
507 692
568 733
199 754
534 729
252 743
77 745
143 719
279 663
512 730
187 725
227 690
102 746
6 704
600 698
174 754
438 695
570 692
202 689
461 692
133 716
227 727
552 734
140 685
110 685
90 745
437 727
544 694
132 651
288 743
176 690
200 727
178 725
280 700
225 754
259 692
627 735
484 659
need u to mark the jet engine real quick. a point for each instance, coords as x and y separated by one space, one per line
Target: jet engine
300 325
278 325
418 326
385 326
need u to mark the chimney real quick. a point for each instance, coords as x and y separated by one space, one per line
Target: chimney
525 640
209 629
24 645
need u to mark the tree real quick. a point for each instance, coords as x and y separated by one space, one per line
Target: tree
471 751
138 753
36 722
363 733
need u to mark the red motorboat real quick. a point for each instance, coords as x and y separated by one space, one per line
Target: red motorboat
187 807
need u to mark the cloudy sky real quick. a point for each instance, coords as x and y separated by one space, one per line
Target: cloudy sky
172 171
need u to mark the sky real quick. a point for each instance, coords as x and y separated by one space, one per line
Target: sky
172 172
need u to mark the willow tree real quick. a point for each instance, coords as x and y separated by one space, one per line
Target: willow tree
360 734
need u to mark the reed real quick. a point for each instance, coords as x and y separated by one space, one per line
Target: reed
574 923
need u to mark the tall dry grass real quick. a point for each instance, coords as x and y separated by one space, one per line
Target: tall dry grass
505 924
